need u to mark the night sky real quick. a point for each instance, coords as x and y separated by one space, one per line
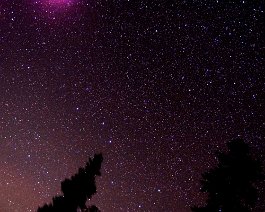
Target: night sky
156 87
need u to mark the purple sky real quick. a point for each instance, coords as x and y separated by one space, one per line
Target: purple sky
156 87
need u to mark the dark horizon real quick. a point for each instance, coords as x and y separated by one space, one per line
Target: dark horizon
156 87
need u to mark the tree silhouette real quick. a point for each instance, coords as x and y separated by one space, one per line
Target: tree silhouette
77 190
231 185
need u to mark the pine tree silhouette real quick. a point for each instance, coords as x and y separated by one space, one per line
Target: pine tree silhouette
77 190
231 185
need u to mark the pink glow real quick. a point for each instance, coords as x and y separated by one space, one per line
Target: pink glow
52 6
60 2
56 10
55 3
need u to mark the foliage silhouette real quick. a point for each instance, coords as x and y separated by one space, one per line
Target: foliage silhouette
231 185
77 190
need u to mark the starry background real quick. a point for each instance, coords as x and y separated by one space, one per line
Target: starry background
156 87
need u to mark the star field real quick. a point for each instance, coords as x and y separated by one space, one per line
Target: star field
156 87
